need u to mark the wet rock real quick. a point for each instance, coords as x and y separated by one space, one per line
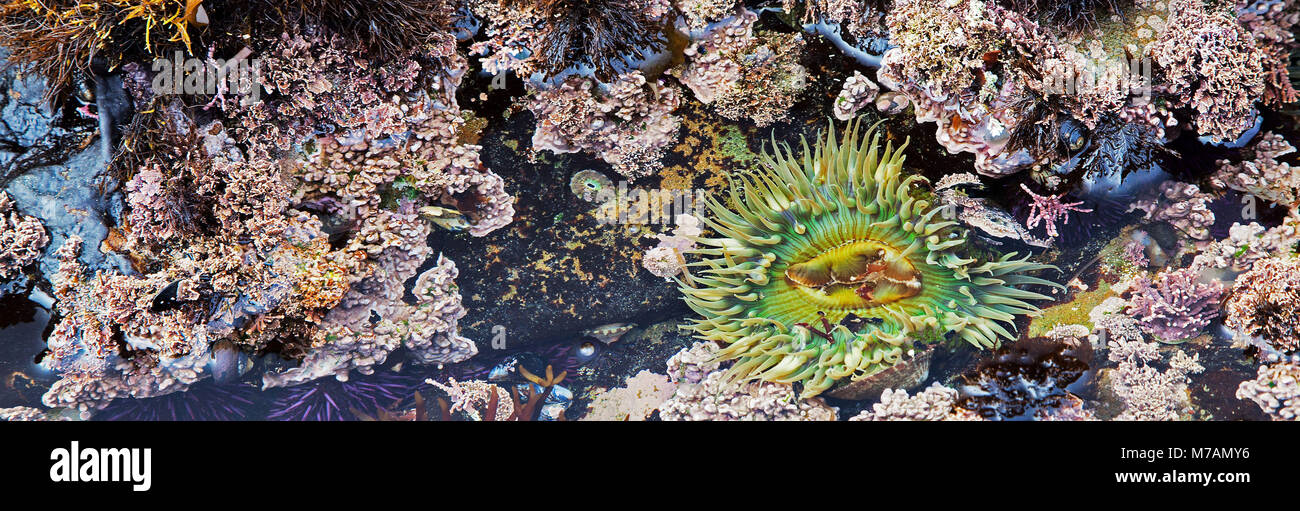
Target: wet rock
68 199
22 323
27 119
52 177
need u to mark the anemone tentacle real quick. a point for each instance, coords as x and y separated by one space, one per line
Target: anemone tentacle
833 234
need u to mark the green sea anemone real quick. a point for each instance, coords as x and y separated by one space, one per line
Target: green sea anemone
827 267
588 184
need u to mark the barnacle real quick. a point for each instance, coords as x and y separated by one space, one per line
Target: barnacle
827 268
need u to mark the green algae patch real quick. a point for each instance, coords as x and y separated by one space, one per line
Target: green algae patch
1073 312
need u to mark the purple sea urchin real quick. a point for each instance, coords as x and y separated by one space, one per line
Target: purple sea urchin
202 402
818 242
333 400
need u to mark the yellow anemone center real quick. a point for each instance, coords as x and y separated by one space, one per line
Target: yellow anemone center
860 274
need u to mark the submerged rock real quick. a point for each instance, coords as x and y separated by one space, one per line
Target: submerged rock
66 187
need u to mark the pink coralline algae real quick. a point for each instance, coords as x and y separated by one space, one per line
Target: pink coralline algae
1135 254
1048 209
1108 317
935 403
744 74
1144 392
1276 390
382 130
1262 174
1003 87
703 393
1265 304
357 171
511 31
628 123
1181 205
861 20
699 14
1176 306
352 341
29 414
941 62
349 337
714 399
941 48
1248 243
269 263
22 239
147 195
226 224
1272 23
1211 64
692 364
164 352
635 401
327 84
665 259
858 92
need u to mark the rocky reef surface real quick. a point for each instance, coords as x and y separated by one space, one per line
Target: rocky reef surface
703 210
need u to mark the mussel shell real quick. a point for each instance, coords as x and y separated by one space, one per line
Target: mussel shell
1073 134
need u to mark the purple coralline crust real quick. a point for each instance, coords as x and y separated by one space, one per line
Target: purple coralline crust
1176 306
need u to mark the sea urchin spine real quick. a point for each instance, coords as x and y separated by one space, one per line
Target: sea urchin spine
828 268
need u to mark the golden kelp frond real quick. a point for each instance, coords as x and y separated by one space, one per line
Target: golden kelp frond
57 38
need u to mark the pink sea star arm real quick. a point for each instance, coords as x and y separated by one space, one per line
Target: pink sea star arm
1048 209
